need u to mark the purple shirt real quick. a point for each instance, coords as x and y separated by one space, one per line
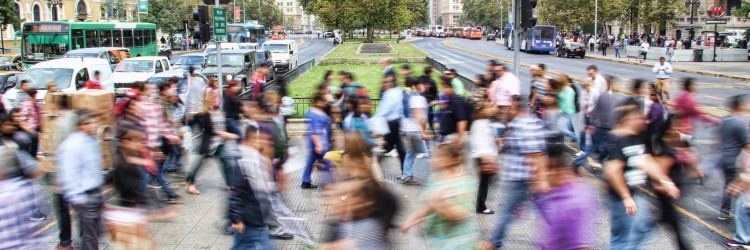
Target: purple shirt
569 211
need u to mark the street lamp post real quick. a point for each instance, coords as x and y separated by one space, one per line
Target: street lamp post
55 4
692 4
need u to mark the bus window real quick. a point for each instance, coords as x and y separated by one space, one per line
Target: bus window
151 38
92 39
138 38
77 39
127 38
546 34
117 38
105 38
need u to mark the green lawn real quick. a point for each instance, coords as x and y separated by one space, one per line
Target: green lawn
349 50
368 74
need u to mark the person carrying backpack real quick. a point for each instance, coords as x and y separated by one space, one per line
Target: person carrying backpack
413 134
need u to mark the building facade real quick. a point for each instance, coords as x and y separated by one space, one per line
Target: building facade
450 12
295 17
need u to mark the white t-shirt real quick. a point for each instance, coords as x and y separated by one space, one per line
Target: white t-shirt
410 124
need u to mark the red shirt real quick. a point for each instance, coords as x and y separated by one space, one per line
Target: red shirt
258 81
93 84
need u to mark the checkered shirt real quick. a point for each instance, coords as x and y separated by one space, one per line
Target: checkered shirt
152 119
524 135
16 231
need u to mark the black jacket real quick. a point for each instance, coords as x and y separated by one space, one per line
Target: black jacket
243 205
432 93
203 120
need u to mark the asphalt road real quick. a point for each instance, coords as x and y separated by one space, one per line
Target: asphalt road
700 201
308 51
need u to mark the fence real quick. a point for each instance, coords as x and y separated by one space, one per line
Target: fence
302 105
288 77
469 84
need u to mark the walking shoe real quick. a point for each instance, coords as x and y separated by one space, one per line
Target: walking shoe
60 247
393 153
726 216
283 236
423 155
580 159
173 199
734 243
411 182
307 185
37 215
154 185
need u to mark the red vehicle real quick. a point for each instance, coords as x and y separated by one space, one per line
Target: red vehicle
476 33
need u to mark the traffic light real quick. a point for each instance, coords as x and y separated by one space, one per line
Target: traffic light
200 14
205 30
528 18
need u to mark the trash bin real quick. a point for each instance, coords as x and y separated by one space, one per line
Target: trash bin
697 55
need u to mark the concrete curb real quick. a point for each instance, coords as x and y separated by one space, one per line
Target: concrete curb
674 69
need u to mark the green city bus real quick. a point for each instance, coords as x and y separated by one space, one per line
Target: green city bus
50 40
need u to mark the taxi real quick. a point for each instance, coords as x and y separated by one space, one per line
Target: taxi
8 80
10 62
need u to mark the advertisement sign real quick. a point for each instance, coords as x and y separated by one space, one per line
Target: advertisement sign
236 14
142 6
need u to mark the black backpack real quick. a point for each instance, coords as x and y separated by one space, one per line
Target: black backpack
577 99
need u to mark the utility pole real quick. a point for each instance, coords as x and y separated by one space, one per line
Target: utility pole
219 75
244 11
596 17
516 44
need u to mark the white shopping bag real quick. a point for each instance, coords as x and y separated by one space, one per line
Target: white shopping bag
378 125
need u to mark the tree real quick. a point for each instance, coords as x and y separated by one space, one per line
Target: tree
744 11
265 11
168 14
482 12
9 14
418 11
566 14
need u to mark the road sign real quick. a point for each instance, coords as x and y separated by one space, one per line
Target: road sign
716 21
715 11
220 23
236 14
142 6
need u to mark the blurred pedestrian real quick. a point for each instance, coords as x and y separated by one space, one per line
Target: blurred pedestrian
484 151
96 82
258 79
232 105
733 131
79 166
539 88
431 93
503 90
129 173
318 137
447 214
686 107
195 93
413 134
391 108
455 113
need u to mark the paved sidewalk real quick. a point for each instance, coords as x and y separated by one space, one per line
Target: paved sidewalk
733 70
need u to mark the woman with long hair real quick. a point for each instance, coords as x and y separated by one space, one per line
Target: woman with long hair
566 104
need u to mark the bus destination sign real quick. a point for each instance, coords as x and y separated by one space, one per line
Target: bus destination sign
45 28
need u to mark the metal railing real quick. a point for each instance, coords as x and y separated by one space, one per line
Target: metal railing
469 84
288 77
302 105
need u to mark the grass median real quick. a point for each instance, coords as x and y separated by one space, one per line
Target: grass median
349 50
369 75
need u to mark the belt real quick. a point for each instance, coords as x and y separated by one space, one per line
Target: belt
93 191
663 78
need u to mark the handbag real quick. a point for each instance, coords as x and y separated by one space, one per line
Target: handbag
488 165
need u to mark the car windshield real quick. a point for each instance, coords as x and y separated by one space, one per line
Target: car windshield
135 66
83 55
189 60
575 45
39 77
232 60
247 46
276 48
210 50
5 59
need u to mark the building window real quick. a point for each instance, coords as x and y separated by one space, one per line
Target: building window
54 13
37 13
288 3
81 7
289 10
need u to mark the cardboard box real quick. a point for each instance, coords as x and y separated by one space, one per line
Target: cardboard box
47 164
49 124
51 102
93 99
48 143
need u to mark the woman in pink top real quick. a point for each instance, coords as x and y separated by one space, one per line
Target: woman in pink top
213 90
686 107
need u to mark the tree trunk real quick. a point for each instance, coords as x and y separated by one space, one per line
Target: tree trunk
370 33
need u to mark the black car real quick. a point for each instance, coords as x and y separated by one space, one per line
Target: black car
572 49
491 37
237 64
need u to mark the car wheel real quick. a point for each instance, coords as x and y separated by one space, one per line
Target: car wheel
582 56
567 54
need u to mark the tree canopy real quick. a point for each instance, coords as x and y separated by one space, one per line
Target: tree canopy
569 14
169 14
265 11
484 12
9 14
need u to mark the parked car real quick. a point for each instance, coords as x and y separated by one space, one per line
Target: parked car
491 37
70 74
284 53
137 69
112 54
329 34
572 49
11 60
237 64
195 60
8 80
441 35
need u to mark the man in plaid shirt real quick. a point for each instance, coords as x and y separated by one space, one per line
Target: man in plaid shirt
524 152
156 126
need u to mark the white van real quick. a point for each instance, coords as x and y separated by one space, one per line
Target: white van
284 54
70 74
224 46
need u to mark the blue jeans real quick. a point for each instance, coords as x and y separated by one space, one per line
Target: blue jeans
617 52
600 142
414 145
742 223
173 159
311 159
159 177
515 193
253 238
629 232
565 124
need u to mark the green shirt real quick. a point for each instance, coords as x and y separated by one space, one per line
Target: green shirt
458 86
566 101
444 234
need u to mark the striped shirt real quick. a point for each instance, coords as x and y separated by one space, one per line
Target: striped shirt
524 135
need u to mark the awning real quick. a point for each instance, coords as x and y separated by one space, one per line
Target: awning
47 39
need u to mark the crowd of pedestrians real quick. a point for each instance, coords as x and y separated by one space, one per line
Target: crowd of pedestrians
638 142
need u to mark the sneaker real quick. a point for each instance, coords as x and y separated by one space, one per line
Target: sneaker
411 182
580 159
734 243
423 155
173 199
726 216
283 236
307 185
60 247
393 153
154 185
596 165
37 215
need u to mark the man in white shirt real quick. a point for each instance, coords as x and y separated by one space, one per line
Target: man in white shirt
592 41
502 90
644 49
413 132
663 71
